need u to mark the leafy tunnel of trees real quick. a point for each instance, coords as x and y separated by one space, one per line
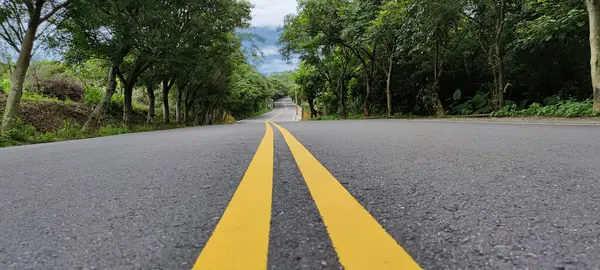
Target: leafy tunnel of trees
181 59
436 57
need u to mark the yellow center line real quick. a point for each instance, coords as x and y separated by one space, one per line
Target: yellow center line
241 238
271 119
359 240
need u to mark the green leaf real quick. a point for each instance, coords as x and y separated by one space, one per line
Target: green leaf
457 95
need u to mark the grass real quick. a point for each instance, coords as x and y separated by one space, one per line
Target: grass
328 118
24 134
560 108
362 116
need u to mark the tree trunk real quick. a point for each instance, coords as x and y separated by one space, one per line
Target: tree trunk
367 95
165 96
593 7
127 104
499 55
13 103
178 116
341 99
388 90
184 109
151 104
313 111
437 73
435 98
92 123
500 70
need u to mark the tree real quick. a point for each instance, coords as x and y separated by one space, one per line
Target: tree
357 17
20 21
593 7
310 85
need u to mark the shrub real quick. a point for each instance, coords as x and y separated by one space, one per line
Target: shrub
5 86
45 137
402 115
568 108
328 117
6 142
92 96
21 132
70 131
112 130
62 89
115 107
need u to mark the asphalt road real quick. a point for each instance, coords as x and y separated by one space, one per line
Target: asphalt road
453 195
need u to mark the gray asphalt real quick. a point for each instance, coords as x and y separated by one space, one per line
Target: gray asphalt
454 195
472 195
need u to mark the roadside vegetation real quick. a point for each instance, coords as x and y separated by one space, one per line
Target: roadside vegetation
406 58
126 66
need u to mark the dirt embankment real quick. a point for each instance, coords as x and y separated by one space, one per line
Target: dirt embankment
51 115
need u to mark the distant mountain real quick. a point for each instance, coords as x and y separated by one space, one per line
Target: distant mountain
272 61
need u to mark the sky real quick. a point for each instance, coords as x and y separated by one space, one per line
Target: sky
267 17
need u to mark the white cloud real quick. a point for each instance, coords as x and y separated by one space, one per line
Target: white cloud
277 65
270 50
270 13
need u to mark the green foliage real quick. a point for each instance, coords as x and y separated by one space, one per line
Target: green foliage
5 85
423 51
404 116
93 96
110 130
70 131
27 134
478 104
21 132
38 97
328 118
282 84
566 108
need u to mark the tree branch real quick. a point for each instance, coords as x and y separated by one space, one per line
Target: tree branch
54 10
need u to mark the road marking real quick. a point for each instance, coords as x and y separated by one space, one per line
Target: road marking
271 119
241 238
359 240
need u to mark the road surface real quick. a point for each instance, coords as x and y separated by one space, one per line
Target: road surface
311 195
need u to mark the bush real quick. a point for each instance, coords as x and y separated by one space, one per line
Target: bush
404 116
115 107
110 130
5 86
70 131
62 88
21 132
6 142
568 108
45 137
328 117
93 96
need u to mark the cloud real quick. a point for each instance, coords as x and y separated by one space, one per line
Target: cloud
270 13
270 50
277 65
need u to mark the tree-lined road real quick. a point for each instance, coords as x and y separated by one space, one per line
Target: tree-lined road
451 195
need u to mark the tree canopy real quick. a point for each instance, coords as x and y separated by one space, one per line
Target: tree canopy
426 57
187 51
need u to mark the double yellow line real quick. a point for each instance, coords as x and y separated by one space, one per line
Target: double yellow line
241 238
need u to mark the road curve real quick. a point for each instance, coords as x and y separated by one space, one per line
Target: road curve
451 195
